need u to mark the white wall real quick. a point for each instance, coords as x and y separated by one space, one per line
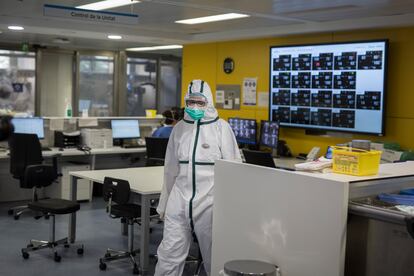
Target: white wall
56 80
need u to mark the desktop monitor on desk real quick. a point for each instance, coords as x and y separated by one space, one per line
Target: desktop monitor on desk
244 130
269 134
29 126
125 129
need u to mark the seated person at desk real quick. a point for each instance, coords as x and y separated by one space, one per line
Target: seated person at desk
171 118
6 128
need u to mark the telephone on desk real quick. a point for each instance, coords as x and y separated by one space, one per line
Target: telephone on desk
312 155
84 148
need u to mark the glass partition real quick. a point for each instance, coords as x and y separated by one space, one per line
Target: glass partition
96 85
17 82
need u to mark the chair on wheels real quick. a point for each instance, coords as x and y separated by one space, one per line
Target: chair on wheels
25 150
198 260
117 193
156 149
38 176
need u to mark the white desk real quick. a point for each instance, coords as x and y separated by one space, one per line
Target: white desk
145 182
108 158
296 220
76 152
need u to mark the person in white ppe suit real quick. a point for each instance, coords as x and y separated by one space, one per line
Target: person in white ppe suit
186 201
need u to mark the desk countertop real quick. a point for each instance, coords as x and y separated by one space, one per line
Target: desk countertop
143 180
75 152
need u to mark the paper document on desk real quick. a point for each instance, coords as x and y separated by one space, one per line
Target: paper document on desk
318 165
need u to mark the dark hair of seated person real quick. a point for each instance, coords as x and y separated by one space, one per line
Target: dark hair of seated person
170 117
6 127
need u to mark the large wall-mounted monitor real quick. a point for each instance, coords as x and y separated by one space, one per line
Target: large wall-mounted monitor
29 126
244 130
335 87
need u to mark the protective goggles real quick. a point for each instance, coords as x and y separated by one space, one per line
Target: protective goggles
199 103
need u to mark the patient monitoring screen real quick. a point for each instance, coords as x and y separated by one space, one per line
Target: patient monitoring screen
244 130
29 126
330 86
123 129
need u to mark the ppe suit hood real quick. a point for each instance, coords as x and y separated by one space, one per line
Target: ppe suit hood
202 87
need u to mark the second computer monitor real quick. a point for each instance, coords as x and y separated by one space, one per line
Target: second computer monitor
244 130
269 134
125 129
29 126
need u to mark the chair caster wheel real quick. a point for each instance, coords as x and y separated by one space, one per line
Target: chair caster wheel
80 251
25 255
57 258
102 266
16 217
10 212
135 270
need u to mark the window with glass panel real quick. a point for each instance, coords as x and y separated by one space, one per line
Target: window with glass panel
96 85
141 86
17 82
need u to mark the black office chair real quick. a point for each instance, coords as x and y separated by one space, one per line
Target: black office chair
39 176
25 150
117 193
156 149
259 158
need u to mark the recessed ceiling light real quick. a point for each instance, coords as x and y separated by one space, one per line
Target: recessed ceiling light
107 4
15 28
114 37
213 18
155 48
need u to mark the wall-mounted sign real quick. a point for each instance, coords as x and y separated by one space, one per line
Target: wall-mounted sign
228 96
228 65
90 15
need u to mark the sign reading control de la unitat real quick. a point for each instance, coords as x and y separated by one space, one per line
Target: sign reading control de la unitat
89 15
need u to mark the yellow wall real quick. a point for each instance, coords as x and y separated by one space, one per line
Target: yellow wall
251 57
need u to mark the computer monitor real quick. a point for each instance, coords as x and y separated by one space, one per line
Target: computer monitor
269 134
244 130
125 129
29 126
259 158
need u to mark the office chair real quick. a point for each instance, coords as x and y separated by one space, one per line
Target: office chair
259 158
156 149
39 176
25 150
117 193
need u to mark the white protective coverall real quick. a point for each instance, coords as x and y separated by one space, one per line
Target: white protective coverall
187 195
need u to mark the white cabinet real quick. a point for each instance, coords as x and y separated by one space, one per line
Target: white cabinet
62 189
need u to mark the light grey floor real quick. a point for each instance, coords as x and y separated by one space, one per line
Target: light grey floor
94 229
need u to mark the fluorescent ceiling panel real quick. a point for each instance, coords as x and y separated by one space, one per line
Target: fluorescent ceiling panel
155 48
107 4
213 18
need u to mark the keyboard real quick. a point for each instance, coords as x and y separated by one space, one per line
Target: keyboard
133 146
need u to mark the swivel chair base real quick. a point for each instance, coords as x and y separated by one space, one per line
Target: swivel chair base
112 255
18 210
52 244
